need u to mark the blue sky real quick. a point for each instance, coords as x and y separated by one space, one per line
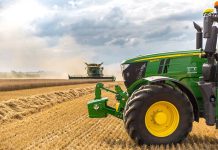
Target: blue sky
60 35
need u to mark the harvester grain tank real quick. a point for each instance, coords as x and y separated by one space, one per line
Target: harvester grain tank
94 72
167 92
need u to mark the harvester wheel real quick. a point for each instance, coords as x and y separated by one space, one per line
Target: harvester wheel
158 114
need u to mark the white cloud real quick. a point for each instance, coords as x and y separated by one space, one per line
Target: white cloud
21 13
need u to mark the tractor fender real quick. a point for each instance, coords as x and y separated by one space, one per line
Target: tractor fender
177 83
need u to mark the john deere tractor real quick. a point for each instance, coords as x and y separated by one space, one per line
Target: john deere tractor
166 92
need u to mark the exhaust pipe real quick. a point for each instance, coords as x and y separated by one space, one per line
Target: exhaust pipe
199 37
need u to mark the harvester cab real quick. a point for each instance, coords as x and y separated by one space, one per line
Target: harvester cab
94 70
166 92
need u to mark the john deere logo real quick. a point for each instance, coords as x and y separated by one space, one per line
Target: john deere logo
191 69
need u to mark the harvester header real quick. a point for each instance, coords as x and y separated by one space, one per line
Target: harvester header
94 72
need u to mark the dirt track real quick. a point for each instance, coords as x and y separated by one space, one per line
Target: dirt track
65 125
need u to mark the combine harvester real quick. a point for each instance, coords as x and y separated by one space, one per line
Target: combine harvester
94 72
167 92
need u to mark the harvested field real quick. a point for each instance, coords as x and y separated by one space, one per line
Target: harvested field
44 90
18 84
62 123
21 107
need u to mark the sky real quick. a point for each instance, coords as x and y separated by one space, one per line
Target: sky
60 35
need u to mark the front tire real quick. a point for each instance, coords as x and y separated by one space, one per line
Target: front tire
158 114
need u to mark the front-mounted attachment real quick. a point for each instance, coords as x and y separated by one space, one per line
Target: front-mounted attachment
98 107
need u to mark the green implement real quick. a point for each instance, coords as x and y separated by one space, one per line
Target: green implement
98 107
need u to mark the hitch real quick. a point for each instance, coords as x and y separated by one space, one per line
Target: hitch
98 107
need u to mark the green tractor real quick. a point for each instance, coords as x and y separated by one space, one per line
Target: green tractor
166 92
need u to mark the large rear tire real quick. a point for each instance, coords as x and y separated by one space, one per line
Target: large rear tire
158 114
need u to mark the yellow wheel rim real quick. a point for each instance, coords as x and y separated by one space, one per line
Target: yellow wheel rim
162 119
